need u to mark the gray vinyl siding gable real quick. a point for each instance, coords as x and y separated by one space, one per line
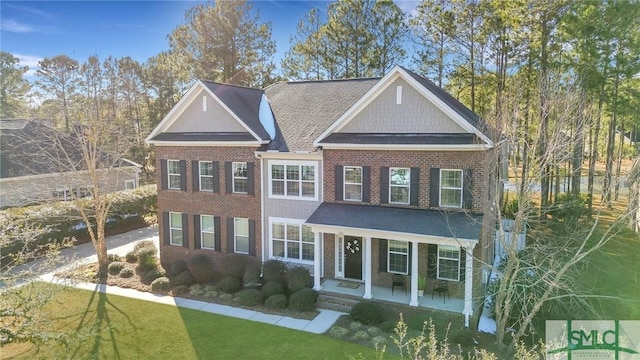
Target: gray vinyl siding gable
194 119
415 114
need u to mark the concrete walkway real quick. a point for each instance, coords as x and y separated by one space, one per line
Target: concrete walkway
123 243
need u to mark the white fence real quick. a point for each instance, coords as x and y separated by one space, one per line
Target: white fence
500 244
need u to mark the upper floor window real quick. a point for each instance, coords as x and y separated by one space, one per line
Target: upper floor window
398 253
451 188
174 174
293 179
240 178
353 183
399 185
206 175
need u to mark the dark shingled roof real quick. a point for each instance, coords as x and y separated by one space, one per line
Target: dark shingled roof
411 221
244 102
303 110
188 136
398 139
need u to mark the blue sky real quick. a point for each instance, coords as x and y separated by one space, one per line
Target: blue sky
33 30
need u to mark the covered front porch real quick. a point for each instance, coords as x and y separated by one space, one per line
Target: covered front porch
428 300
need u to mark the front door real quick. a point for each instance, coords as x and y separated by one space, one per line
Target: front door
353 257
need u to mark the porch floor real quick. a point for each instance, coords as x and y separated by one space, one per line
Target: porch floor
451 304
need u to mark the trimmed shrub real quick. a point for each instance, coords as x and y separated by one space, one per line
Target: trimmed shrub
387 326
299 277
355 325
338 332
249 297
153 274
229 285
113 257
179 290
252 271
379 340
272 288
147 258
209 287
226 297
235 265
131 257
210 294
273 270
201 267
374 331
143 244
184 278
277 301
179 266
366 312
196 290
303 300
126 273
115 267
160 284
360 336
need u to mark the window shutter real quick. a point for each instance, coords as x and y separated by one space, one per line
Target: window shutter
196 232
432 261
384 185
250 178
382 255
165 227
228 177
216 177
414 187
183 175
467 192
216 235
230 242
163 174
185 230
434 187
195 175
366 183
409 258
463 262
339 172
252 237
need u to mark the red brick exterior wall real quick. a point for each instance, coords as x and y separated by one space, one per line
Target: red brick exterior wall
196 202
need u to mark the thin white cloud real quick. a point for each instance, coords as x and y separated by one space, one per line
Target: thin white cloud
29 60
29 10
14 26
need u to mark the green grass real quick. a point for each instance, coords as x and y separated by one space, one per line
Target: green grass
132 329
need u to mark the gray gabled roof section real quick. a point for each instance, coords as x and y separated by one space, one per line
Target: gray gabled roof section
452 224
304 109
243 101
402 139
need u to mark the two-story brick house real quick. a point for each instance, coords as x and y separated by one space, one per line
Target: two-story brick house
357 179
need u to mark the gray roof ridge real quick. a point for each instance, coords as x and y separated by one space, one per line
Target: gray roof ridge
293 82
231 85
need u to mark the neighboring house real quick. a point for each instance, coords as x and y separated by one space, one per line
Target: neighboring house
356 179
29 175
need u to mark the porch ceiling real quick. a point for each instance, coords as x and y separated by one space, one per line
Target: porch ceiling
431 223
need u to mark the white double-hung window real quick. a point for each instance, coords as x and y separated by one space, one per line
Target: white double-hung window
175 229
207 232
451 188
206 175
448 262
291 240
174 174
399 185
293 179
398 261
353 183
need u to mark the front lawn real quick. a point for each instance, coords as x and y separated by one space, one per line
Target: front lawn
124 328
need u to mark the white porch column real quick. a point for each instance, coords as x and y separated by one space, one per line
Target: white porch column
468 286
316 260
414 274
367 268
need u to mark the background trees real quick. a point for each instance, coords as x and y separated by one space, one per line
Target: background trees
13 86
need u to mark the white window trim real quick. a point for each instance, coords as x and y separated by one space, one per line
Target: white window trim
63 193
200 176
285 222
345 183
130 181
461 188
234 177
169 174
448 258
295 163
171 228
399 253
235 235
202 232
407 186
